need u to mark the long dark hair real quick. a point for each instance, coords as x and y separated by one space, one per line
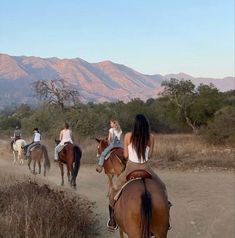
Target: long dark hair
140 135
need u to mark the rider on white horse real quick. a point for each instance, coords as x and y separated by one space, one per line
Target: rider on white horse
17 133
16 136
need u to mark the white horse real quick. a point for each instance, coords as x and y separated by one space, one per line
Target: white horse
18 151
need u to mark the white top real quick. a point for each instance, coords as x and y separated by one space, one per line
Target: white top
116 133
37 137
66 136
132 155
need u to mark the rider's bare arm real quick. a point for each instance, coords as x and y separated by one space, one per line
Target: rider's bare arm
109 137
127 138
151 146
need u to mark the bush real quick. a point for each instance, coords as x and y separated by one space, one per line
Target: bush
221 130
30 210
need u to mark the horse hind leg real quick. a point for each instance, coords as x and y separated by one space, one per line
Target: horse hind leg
34 165
39 167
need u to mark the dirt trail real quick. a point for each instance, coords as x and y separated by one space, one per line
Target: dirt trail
203 202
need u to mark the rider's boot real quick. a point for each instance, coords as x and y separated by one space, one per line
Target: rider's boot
111 224
169 206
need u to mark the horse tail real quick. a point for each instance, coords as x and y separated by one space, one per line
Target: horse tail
146 212
47 163
77 158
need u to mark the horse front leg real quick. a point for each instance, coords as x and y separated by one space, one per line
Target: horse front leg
14 156
29 162
21 159
62 173
121 234
110 184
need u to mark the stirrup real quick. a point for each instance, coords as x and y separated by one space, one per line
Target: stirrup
111 228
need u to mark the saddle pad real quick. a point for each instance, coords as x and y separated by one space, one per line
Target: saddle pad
107 156
61 148
34 147
116 197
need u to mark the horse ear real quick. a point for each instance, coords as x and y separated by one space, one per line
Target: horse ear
98 140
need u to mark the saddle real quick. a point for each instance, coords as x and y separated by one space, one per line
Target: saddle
35 147
65 146
139 173
132 176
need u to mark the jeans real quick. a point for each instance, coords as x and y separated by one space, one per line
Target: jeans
106 151
57 148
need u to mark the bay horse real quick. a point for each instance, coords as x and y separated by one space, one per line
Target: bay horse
70 155
115 163
17 149
37 154
142 210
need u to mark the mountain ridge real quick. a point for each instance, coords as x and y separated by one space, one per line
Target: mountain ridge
98 82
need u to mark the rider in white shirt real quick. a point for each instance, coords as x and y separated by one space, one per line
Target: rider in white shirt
36 140
65 137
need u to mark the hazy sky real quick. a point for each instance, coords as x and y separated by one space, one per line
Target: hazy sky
151 36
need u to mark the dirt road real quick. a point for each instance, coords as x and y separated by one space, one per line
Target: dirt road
203 202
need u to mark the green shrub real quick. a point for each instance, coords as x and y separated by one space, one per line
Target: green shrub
221 129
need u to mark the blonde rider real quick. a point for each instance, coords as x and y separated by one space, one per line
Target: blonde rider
114 140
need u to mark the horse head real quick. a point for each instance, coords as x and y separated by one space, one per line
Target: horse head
102 144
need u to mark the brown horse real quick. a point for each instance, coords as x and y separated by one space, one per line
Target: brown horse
115 163
142 209
36 155
70 155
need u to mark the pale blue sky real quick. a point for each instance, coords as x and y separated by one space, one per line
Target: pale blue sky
151 36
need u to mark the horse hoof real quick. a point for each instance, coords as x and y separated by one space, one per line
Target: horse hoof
111 227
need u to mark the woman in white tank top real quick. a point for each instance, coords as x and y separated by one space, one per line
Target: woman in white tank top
138 149
65 136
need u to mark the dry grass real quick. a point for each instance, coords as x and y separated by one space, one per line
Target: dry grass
184 151
28 209
190 151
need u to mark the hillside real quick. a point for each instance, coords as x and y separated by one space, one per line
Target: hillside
98 82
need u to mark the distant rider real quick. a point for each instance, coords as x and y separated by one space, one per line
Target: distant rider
36 140
16 135
65 137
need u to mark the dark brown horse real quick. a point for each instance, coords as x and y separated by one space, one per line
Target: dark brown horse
142 209
36 155
115 163
70 155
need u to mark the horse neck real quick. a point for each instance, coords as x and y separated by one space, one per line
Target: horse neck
103 145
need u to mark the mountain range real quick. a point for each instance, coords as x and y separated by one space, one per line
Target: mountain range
97 82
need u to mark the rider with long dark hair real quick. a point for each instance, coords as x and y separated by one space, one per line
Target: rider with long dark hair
138 149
